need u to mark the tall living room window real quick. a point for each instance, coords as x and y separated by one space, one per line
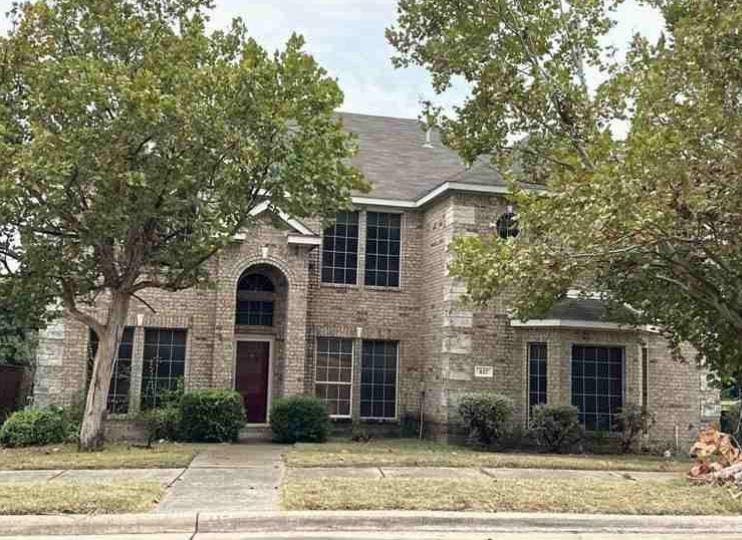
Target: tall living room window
383 242
118 392
164 364
340 250
537 355
379 379
597 385
334 374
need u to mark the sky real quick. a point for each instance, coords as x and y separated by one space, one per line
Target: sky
347 38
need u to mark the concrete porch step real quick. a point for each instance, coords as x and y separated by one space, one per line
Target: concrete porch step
255 433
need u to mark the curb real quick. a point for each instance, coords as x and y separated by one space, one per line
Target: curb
319 521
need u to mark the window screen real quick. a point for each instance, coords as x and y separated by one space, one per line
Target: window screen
340 250
383 242
597 385
379 379
334 374
118 392
537 355
164 363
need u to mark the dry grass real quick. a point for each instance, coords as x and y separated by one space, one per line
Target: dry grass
78 498
588 495
113 456
411 453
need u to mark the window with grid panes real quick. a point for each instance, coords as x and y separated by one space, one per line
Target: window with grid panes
597 385
255 296
340 250
334 374
164 363
379 379
537 354
118 392
383 244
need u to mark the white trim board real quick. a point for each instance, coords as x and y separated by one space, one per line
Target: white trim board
577 324
295 223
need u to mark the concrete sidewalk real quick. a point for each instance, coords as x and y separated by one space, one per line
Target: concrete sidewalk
165 477
352 524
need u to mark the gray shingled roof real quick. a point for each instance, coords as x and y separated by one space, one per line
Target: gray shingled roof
395 161
580 309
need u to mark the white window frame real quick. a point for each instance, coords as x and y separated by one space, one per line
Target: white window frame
395 418
336 383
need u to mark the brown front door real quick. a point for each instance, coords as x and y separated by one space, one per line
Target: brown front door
251 379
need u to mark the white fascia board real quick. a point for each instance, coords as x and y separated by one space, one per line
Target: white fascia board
304 240
440 190
295 223
570 323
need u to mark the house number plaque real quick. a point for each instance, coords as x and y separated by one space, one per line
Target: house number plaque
484 372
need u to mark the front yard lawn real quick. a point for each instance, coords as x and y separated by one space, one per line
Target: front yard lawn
113 456
412 453
78 498
578 495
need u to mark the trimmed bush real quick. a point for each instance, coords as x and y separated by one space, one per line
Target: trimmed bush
162 423
556 427
633 420
299 419
486 416
35 427
211 416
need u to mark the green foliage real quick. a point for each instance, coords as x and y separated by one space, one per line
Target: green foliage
163 423
359 432
650 218
35 426
633 420
135 144
299 419
555 427
210 416
486 416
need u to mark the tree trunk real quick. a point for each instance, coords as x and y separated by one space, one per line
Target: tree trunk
91 431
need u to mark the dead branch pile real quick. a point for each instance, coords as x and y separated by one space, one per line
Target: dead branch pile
718 459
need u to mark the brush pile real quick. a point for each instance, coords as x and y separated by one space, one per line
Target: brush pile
718 460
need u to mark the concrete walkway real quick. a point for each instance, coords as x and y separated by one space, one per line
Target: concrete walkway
228 478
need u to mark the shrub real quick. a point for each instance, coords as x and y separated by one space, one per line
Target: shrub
359 432
162 423
35 426
632 420
486 416
555 427
299 419
211 416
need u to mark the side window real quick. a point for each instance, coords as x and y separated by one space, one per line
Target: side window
379 379
334 374
118 392
340 250
164 363
537 359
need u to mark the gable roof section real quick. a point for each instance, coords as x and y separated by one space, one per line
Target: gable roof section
404 171
301 235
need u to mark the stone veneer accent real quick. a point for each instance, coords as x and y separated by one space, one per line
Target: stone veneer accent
440 338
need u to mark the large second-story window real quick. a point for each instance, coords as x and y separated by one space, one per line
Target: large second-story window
383 243
255 300
340 250
118 392
164 364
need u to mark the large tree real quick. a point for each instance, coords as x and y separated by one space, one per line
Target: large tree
134 145
650 218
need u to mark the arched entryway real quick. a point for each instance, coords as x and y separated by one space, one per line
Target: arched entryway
261 300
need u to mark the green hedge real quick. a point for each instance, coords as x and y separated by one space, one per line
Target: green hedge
211 416
299 419
486 416
35 426
556 427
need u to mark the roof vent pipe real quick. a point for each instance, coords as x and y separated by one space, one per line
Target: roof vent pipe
427 144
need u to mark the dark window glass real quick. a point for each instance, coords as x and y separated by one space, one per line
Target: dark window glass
334 373
379 379
118 392
597 385
383 239
255 297
340 250
507 226
164 364
537 359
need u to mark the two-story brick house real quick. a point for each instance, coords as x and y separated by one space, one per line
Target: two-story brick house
364 315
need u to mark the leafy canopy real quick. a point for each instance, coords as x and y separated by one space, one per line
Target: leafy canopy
133 143
652 219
